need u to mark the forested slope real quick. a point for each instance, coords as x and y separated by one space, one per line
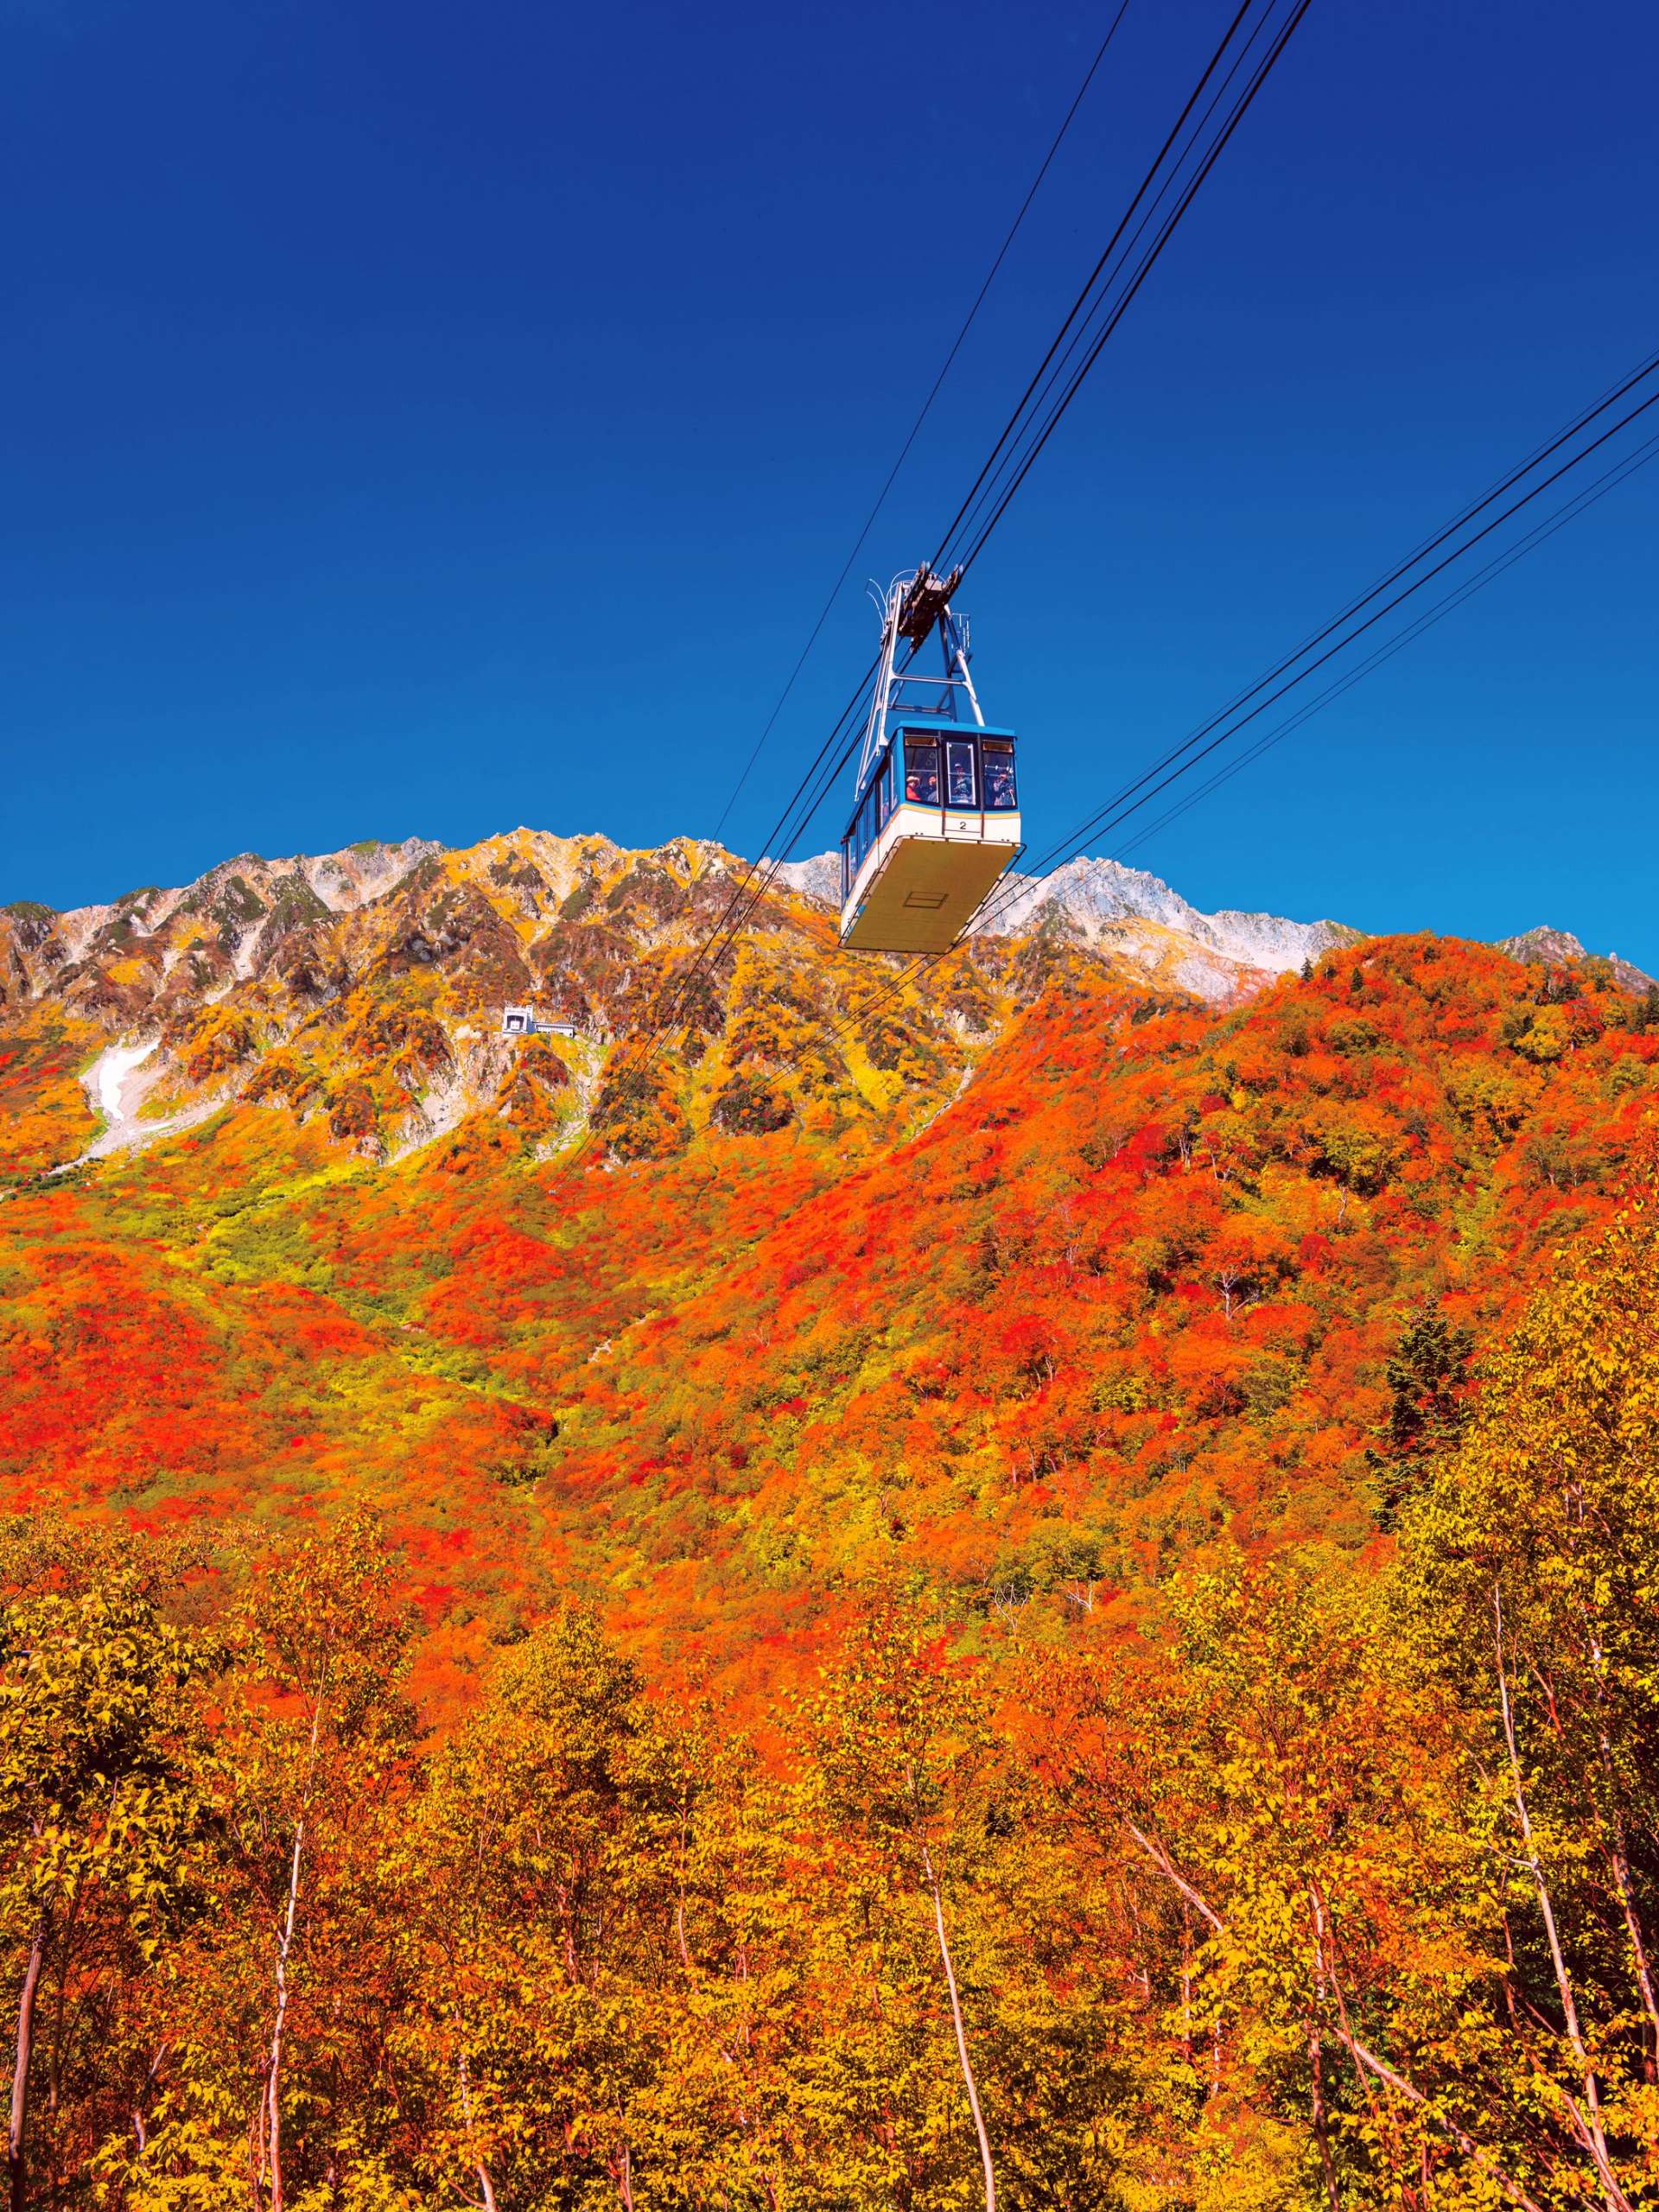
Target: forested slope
1137 1286
1138 1506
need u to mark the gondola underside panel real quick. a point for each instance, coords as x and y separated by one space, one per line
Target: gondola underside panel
925 893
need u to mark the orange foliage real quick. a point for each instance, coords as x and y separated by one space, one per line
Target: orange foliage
1135 1290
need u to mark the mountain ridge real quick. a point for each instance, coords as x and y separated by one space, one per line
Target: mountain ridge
1085 899
364 988
1090 901
1033 1278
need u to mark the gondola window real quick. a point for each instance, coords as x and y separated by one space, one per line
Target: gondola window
959 773
999 775
922 773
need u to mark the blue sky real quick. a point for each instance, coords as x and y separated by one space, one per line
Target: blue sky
418 420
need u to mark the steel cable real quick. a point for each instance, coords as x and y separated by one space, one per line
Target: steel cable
814 785
1125 803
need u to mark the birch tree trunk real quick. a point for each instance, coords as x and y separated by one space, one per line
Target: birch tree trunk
622 2173
1366 2062
1315 2055
285 1945
274 2085
1595 2134
17 2146
481 2168
962 2033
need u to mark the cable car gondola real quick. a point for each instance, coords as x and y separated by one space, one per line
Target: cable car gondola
937 818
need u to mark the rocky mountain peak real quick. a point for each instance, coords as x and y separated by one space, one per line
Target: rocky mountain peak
1546 947
366 987
1089 899
1107 907
1542 944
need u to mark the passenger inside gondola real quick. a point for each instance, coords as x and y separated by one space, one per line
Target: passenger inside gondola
999 776
921 773
959 773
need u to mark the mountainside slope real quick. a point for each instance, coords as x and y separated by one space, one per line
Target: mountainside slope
364 989
1552 948
1031 1280
1142 1284
1087 898
1102 904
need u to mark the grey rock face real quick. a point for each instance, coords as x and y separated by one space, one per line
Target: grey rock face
1544 947
1086 898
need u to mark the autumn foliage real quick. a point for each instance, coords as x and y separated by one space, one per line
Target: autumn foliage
1304 1891
1043 1596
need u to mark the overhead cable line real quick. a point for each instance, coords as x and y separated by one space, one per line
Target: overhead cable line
997 485
809 800
682 985
1511 475
662 1011
1569 512
816 784
1048 421
1193 746
1125 803
926 409
1220 729
1079 305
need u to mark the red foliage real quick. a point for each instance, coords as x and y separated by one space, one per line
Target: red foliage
1137 1287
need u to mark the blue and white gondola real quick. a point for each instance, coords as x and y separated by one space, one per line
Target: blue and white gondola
937 817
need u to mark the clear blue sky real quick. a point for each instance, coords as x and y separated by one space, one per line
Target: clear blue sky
426 420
